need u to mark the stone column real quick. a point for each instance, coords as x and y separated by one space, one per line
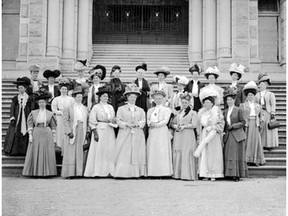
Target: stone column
83 29
53 28
195 31
224 28
209 39
283 34
90 29
68 35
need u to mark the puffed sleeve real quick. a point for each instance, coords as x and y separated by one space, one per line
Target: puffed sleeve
54 106
142 121
53 123
93 118
241 122
66 120
120 118
165 120
30 122
273 103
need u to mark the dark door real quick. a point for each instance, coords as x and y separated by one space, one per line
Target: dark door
140 21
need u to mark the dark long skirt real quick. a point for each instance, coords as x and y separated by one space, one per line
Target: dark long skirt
15 142
235 158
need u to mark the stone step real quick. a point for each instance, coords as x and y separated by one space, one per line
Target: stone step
21 159
276 153
273 161
266 171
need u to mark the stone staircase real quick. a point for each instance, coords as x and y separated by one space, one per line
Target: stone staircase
176 58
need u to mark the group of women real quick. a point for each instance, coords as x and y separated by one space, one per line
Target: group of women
141 129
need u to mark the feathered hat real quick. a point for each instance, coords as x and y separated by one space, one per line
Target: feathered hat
51 73
80 65
94 71
132 88
237 69
196 68
142 66
250 87
264 77
208 92
181 79
165 70
212 71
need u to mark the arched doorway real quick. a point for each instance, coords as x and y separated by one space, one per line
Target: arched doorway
140 21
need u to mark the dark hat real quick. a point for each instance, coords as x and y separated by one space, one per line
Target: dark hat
103 90
187 96
83 62
115 67
80 65
24 81
92 72
42 95
77 91
229 92
65 82
142 66
196 68
50 73
165 70
262 77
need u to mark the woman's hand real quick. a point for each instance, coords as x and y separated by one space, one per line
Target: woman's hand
96 137
30 138
153 125
13 122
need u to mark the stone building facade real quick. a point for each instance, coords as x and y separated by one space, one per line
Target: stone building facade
54 33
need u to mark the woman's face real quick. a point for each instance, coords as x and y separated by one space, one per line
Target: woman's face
96 79
161 77
78 98
262 86
158 99
51 80
250 96
34 75
211 79
64 90
208 104
21 89
80 73
230 101
234 76
104 98
180 87
116 74
195 75
132 98
42 103
185 103
140 73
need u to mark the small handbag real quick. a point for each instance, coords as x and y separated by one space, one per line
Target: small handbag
273 124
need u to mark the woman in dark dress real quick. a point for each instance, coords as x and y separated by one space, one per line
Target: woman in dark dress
142 100
234 139
16 139
117 88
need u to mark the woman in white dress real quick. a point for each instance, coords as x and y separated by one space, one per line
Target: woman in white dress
75 125
159 153
102 121
210 149
211 75
130 142
58 105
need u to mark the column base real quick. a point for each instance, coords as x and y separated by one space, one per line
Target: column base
67 65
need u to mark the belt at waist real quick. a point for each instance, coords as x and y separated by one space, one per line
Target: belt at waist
40 125
252 117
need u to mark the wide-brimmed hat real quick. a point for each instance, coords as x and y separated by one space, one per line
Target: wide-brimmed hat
186 95
142 66
264 77
208 92
93 72
34 67
157 92
165 70
212 71
229 92
42 95
250 87
77 91
181 80
132 88
80 65
237 69
65 82
196 68
51 73
23 81
104 89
